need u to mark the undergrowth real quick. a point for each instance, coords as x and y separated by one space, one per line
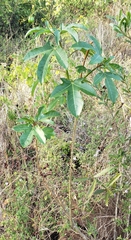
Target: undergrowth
34 181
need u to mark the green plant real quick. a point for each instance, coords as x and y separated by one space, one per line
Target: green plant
19 222
122 25
85 79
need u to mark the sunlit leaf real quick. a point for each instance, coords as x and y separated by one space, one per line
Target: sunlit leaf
39 134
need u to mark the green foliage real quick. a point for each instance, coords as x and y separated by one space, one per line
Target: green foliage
122 25
72 88
18 223
30 127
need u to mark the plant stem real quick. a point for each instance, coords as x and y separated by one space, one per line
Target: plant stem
70 171
99 65
67 74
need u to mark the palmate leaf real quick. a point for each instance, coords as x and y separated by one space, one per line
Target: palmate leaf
27 137
74 98
61 57
43 66
74 101
112 90
39 134
35 52
85 87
